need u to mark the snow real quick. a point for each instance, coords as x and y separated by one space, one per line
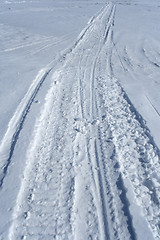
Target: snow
80 120
137 43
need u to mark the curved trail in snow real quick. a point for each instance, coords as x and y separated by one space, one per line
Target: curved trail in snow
16 123
91 167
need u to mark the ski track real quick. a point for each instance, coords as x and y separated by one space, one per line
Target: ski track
89 146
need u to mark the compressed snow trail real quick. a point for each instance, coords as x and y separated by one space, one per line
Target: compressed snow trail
91 169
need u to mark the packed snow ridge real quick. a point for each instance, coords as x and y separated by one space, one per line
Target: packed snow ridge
92 169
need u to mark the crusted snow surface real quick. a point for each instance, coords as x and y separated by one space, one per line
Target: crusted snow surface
92 170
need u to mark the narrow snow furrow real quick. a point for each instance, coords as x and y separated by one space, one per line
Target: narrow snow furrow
110 23
103 195
84 213
16 123
114 204
80 88
127 60
153 106
102 41
151 57
126 204
53 43
26 45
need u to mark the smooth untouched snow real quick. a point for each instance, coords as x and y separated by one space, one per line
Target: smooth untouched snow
79 156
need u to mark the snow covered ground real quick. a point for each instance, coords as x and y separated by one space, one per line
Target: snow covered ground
80 119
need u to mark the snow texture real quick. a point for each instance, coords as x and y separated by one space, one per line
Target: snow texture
79 150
